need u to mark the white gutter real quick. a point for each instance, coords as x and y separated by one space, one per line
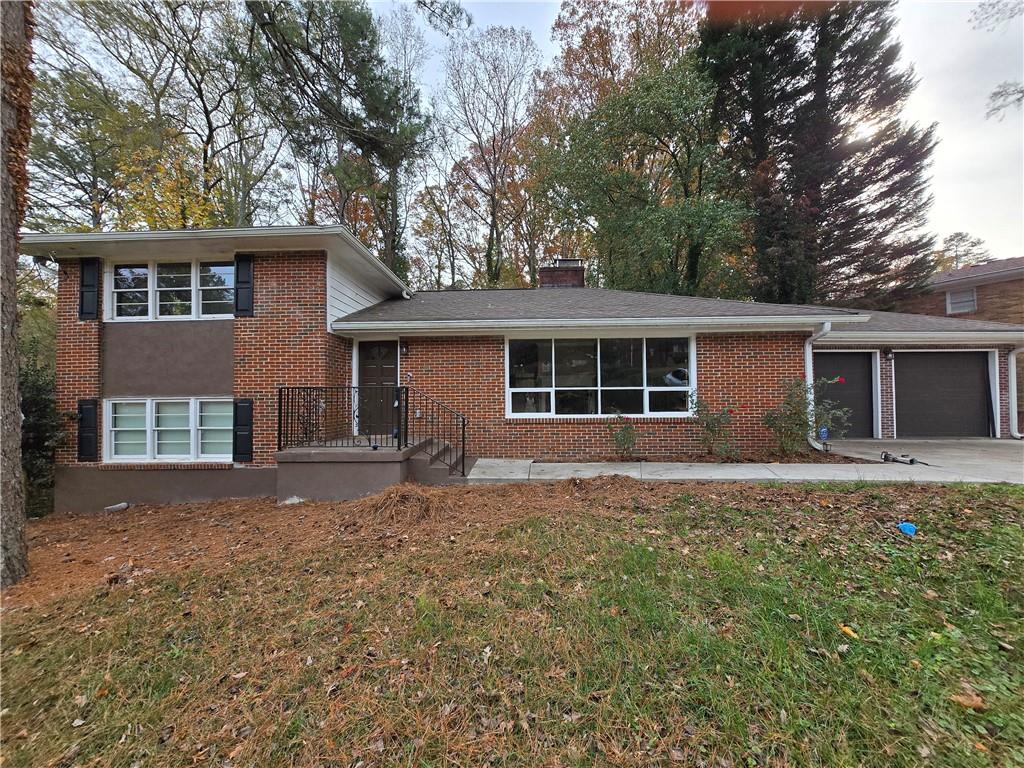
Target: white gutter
809 380
1011 371
791 322
1010 336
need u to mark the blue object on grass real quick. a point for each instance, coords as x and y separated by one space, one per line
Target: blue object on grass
908 528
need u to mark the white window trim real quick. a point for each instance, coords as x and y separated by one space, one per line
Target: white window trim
647 414
110 312
194 455
949 301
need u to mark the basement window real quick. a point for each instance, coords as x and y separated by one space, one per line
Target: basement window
961 302
171 290
599 377
168 429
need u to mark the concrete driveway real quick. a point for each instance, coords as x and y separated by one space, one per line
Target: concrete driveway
964 458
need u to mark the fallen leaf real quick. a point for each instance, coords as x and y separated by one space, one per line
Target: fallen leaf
969 699
848 631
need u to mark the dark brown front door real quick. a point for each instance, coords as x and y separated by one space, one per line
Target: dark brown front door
942 394
378 379
857 390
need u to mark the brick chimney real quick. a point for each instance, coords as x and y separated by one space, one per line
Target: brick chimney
566 273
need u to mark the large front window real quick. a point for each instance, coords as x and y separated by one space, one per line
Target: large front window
163 290
600 377
172 429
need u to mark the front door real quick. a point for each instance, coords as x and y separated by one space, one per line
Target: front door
378 380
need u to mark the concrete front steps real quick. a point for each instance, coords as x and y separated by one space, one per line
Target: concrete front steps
339 474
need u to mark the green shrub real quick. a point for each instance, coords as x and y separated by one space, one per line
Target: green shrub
714 424
624 435
789 421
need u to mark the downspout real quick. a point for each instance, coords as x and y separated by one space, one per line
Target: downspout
1011 376
809 378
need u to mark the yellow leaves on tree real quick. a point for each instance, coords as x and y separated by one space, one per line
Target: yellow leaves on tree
164 189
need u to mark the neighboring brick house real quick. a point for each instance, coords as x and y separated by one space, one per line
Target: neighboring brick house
187 359
993 290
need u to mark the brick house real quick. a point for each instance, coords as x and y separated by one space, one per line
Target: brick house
993 290
289 360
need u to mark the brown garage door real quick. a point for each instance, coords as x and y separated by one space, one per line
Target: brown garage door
942 394
856 392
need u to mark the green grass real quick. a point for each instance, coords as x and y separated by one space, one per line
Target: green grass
702 632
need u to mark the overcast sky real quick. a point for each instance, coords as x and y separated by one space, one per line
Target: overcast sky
978 171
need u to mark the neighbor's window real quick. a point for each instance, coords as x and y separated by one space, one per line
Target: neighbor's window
958 302
172 290
179 429
591 377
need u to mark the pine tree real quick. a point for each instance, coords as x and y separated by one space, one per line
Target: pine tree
811 104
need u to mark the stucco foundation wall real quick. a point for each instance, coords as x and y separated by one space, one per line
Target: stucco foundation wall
90 488
886 378
742 371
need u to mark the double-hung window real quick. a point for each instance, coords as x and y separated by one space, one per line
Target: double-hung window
962 301
163 290
599 377
169 429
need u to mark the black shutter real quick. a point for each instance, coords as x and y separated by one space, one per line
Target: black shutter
88 289
242 444
88 430
243 285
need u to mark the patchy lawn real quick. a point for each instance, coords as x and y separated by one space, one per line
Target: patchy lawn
604 622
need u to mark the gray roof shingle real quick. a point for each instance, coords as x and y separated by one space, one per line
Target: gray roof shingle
997 267
908 323
584 304
570 304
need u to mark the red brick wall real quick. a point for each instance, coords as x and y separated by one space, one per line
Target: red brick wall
1001 302
744 371
286 342
78 359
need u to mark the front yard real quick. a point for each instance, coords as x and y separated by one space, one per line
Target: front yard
604 622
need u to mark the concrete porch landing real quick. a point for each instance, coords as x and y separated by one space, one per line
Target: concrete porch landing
515 470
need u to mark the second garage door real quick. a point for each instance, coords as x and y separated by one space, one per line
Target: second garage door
942 394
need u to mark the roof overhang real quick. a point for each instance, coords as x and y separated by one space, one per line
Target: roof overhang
889 338
575 326
215 243
969 280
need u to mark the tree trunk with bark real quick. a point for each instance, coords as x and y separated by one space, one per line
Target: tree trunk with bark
16 54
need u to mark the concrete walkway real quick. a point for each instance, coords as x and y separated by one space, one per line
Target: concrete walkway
992 460
516 470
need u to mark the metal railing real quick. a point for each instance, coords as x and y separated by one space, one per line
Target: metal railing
371 416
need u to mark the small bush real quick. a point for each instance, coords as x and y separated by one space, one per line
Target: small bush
624 435
715 428
789 421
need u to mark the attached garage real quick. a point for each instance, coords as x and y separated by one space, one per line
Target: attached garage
943 394
855 391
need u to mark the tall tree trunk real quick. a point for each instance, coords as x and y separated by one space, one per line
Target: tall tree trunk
16 50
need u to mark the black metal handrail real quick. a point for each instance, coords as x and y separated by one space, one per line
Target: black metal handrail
374 416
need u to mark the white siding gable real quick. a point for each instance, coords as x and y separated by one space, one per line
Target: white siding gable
346 292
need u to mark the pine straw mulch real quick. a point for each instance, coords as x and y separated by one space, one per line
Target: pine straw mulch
69 552
74 552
